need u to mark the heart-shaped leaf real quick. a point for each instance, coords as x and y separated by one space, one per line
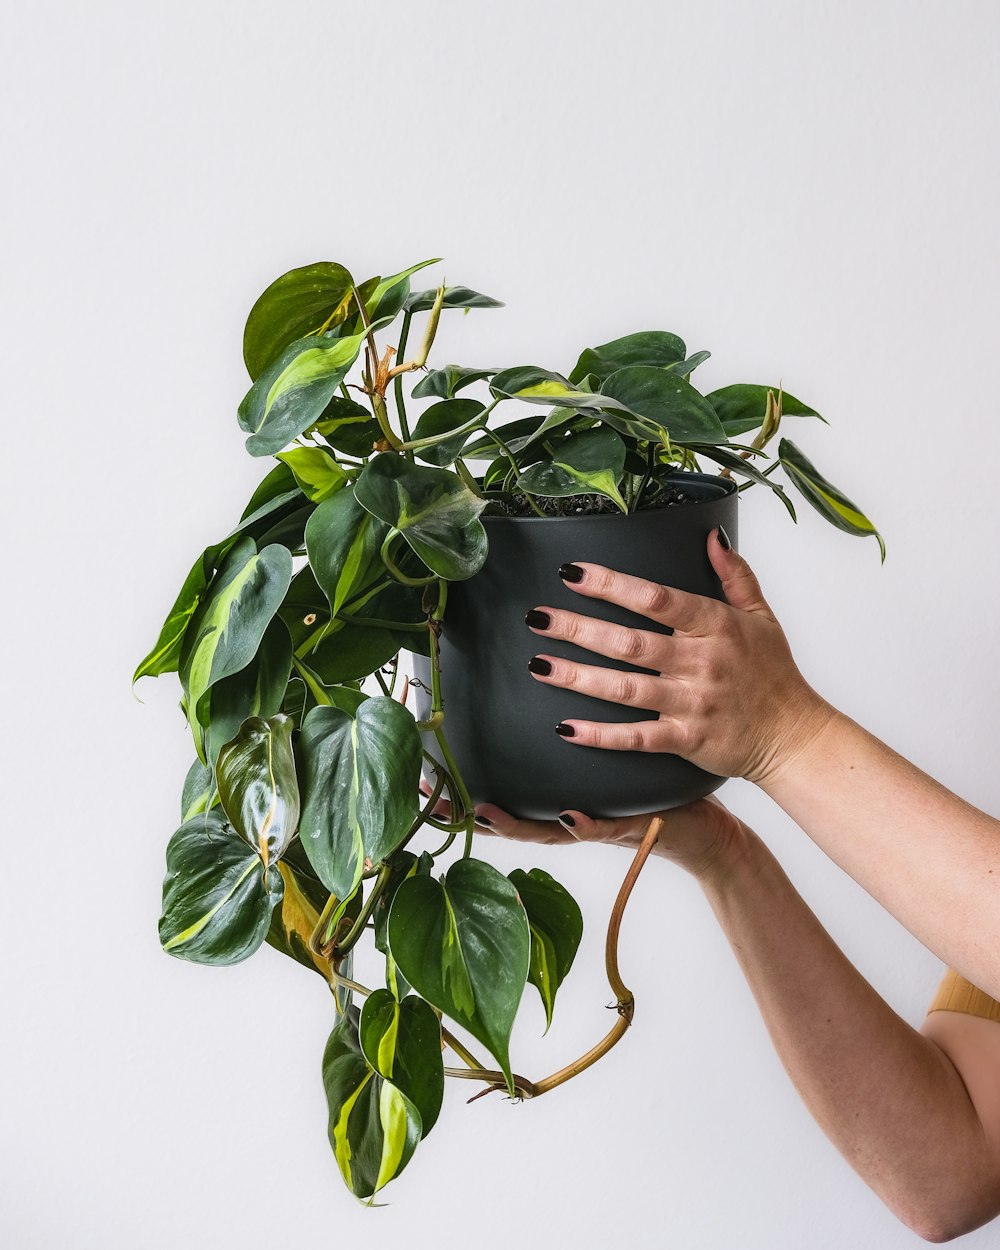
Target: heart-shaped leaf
447 382
294 921
294 305
348 427
541 386
656 348
359 788
438 419
402 1042
434 510
463 944
667 400
230 623
393 293
591 462
217 894
828 501
556 925
741 407
295 389
373 1127
258 787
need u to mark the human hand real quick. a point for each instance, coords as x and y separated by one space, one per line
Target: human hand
703 838
729 695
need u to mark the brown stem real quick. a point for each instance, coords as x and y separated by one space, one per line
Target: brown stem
625 1004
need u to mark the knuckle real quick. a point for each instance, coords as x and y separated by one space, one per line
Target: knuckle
624 688
654 599
632 645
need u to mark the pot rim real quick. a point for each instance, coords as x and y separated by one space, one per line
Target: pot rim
728 487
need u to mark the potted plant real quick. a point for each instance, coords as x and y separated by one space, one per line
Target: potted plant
375 534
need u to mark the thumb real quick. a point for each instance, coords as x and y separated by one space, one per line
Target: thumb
742 590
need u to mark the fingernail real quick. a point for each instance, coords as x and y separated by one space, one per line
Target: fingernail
724 542
564 730
537 665
484 820
537 620
571 572
566 819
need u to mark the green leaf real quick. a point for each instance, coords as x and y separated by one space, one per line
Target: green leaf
393 293
449 414
463 944
255 774
736 464
515 434
217 894
348 427
343 541
447 382
454 297
667 400
828 501
256 690
402 1042
542 386
299 302
165 655
655 348
359 788
741 407
230 623
315 470
198 792
556 925
684 368
294 390
586 463
373 1127
434 510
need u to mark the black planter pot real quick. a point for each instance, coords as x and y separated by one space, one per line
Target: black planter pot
500 722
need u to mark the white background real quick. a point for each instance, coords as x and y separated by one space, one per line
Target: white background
810 190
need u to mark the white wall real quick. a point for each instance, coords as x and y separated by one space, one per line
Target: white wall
810 190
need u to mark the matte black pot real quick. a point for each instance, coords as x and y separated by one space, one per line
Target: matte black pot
500 721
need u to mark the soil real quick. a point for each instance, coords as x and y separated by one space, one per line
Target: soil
511 504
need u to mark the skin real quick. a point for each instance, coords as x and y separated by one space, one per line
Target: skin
915 1113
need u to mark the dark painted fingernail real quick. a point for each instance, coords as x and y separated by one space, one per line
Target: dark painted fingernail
564 730
571 572
537 665
537 620
566 819
724 542
484 820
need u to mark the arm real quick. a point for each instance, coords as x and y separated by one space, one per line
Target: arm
731 699
928 856
917 1115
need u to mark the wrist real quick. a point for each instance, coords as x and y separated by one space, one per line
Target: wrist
805 725
717 855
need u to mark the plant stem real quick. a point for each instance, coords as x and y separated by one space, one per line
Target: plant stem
394 568
307 675
355 931
398 383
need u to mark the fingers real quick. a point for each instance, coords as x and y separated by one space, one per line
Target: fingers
664 735
493 819
637 646
687 613
639 690
741 587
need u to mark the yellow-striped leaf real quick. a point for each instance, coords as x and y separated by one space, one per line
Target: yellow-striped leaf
315 470
556 924
828 501
402 1042
587 463
255 773
217 894
299 302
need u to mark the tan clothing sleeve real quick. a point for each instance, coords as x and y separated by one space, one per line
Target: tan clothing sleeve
956 994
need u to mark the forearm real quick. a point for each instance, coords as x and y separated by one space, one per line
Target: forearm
889 1099
930 858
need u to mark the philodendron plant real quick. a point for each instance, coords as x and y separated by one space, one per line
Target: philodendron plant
303 822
